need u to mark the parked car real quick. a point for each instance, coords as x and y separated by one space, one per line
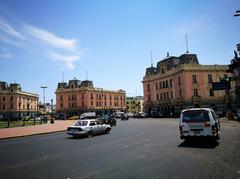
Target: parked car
130 114
37 118
106 119
88 128
118 114
124 116
199 122
28 118
139 115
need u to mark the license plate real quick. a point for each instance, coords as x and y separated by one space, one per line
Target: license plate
196 132
195 126
74 130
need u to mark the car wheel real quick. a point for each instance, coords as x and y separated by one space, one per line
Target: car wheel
215 141
90 134
107 131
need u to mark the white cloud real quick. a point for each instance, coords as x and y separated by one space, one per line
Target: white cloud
5 54
50 42
5 27
67 59
51 39
11 41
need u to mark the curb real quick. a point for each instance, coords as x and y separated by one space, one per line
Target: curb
28 135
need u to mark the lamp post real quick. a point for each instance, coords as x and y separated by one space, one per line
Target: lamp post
44 87
237 13
52 120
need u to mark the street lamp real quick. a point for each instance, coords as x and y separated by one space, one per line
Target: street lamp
43 87
237 13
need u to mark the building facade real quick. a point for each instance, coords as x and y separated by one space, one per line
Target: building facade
134 104
78 96
181 82
15 103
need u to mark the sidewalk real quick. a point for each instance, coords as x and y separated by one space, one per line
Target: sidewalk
14 132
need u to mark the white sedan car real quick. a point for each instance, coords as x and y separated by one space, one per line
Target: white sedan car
88 128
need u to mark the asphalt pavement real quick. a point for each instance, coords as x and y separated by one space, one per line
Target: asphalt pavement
138 148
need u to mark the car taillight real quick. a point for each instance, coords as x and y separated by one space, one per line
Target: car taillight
214 130
207 125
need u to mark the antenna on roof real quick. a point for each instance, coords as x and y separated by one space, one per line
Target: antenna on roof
86 75
151 60
135 92
187 44
62 76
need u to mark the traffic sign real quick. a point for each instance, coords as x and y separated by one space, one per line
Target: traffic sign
223 85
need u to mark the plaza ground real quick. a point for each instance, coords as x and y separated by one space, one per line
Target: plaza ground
138 148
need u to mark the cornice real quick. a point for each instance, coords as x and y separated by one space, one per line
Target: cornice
2 92
186 68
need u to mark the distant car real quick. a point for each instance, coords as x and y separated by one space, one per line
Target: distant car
105 119
28 118
118 114
130 114
199 122
124 116
139 115
37 118
88 115
88 128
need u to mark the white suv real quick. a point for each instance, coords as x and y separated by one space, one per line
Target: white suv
199 122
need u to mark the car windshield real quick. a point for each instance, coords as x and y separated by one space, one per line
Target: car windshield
103 117
195 116
81 123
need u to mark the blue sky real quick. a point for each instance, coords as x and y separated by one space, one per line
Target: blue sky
109 40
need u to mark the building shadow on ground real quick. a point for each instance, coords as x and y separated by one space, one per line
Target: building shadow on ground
199 143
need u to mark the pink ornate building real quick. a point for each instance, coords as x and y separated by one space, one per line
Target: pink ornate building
78 96
181 82
15 103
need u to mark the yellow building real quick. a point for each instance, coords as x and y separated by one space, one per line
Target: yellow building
134 104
